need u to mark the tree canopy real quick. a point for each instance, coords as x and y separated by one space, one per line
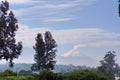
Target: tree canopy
45 52
108 65
8 26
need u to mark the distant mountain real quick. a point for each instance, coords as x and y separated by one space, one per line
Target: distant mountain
79 59
67 68
17 67
58 68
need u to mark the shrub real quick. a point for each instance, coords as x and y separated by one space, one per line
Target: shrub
85 75
8 73
59 76
24 72
18 78
46 75
103 78
74 75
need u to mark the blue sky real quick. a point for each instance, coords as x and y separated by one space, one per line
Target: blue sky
83 29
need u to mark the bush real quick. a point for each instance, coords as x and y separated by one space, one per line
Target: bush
103 78
74 75
18 78
8 73
35 75
46 75
86 75
59 76
23 72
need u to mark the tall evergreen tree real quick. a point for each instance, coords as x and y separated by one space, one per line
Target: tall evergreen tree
45 52
108 65
9 50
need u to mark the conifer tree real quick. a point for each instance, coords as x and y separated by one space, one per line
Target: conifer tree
9 50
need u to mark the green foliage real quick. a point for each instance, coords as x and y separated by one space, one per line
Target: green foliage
49 75
46 75
39 57
23 72
18 78
103 78
108 65
74 75
9 50
59 76
50 51
35 76
45 52
8 73
83 75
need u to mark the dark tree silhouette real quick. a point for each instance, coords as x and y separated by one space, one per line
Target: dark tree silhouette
119 7
108 65
45 52
39 57
9 50
50 50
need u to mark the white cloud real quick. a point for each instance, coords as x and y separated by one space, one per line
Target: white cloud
70 3
16 2
27 35
58 19
75 50
49 11
81 37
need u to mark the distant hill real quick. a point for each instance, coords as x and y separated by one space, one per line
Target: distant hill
58 68
67 68
17 67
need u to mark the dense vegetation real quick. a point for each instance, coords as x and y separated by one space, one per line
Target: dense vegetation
10 75
49 75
